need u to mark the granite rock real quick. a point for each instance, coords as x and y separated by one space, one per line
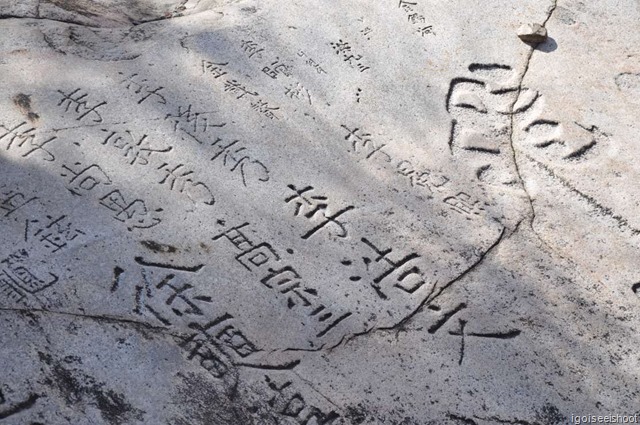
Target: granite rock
340 213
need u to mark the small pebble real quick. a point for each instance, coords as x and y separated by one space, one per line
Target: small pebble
532 33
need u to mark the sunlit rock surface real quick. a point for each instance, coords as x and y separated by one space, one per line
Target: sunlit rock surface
265 212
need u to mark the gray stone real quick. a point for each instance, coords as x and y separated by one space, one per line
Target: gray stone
341 213
532 33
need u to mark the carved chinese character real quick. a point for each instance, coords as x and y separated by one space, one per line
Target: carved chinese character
416 18
236 237
406 5
214 69
134 214
340 47
17 281
323 315
238 160
233 86
190 122
408 277
224 332
303 201
297 92
77 102
177 297
462 204
137 149
264 108
361 141
200 345
494 335
289 403
366 31
54 233
25 139
257 256
85 180
276 68
142 87
288 281
426 30
251 48
181 179
11 201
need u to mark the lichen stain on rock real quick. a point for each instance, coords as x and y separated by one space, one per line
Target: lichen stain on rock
76 388
79 6
23 102
207 402
158 248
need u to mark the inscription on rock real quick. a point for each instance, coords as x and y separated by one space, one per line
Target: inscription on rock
263 213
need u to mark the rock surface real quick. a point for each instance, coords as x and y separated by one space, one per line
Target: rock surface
264 212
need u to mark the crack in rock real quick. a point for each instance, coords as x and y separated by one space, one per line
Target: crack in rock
514 152
106 319
400 326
